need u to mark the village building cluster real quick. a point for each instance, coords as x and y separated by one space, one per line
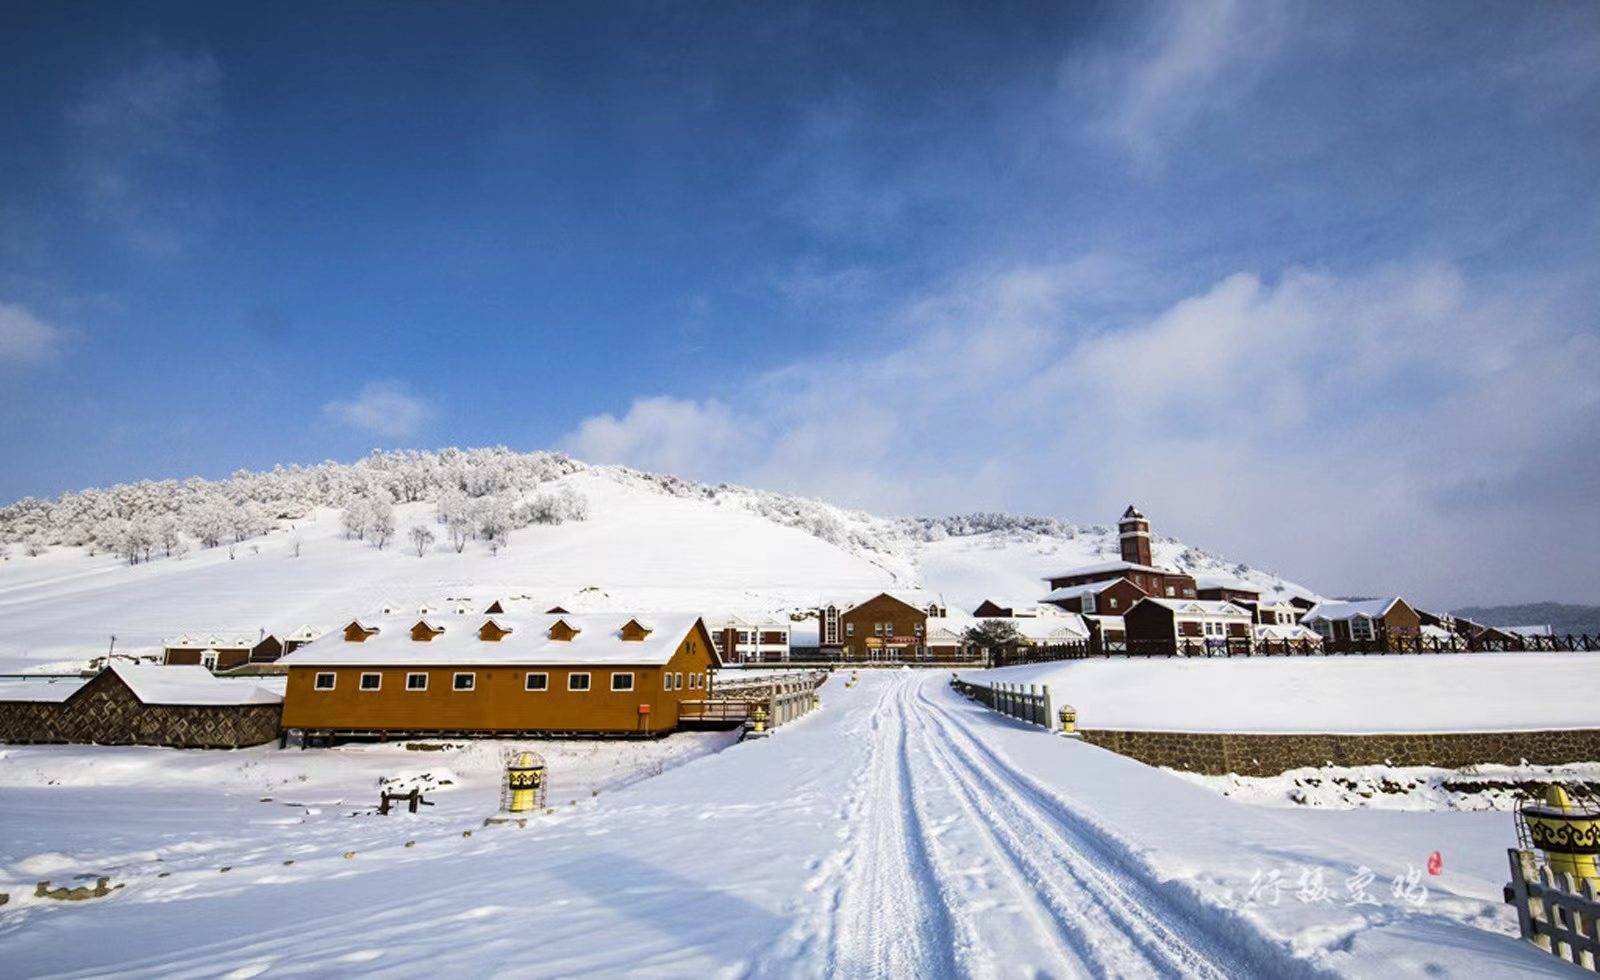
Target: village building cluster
515 666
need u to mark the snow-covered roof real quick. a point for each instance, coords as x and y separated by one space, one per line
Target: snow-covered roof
748 621
216 640
39 689
1216 608
1227 582
598 641
1078 591
1368 608
1067 626
1525 630
912 597
190 684
1109 567
1104 622
954 624
1273 631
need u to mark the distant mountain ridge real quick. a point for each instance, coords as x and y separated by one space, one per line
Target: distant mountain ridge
1561 617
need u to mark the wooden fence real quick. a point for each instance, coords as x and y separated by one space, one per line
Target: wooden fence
1027 702
1409 643
1555 912
785 697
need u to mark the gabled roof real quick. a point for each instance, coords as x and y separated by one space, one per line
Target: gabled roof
216 640
1268 631
1078 591
1227 582
599 641
40 689
1041 628
1111 568
1366 608
920 601
193 684
1197 607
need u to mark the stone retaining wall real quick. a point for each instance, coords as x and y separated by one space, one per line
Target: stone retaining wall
1218 753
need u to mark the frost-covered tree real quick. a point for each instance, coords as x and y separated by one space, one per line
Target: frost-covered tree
208 522
382 524
421 538
495 517
451 505
170 533
356 517
246 520
566 504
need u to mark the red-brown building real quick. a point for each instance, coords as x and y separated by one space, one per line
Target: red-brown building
1365 620
884 627
1166 626
1111 588
221 651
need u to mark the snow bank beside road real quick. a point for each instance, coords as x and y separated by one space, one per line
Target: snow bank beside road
1353 695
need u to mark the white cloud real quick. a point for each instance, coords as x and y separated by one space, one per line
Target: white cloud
140 143
1401 429
668 435
382 408
26 339
1194 55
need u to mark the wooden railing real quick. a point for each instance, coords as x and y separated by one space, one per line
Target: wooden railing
1407 643
1027 702
1555 912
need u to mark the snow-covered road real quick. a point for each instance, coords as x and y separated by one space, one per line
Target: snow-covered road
956 862
900 831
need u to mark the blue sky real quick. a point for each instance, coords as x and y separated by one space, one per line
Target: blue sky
1315 284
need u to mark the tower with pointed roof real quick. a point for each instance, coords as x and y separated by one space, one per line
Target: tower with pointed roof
1134 533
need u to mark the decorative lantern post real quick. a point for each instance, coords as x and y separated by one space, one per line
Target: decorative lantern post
1568 834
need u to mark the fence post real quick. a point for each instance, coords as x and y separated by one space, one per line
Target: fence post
1049 715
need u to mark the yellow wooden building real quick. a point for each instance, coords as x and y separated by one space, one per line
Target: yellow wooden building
592 674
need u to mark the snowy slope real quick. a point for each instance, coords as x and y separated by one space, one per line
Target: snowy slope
650 542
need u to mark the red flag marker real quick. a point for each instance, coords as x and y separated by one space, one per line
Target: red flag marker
1435 863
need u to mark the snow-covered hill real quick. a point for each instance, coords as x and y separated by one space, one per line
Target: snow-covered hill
647 542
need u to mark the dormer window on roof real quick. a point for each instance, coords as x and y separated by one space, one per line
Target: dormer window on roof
358 631
425 631
562 630
494 608
493 632
634 631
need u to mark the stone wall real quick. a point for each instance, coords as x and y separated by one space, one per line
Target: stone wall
105 712
1218 753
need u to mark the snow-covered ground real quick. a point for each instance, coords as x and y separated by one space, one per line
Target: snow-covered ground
901 830
1336 694
1481 787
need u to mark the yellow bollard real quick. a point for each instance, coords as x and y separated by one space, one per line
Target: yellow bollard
1069 720
761 720
523 778
1568 835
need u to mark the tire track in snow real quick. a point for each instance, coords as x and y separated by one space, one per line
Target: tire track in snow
1130 922
1057 921
878 909
890 920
